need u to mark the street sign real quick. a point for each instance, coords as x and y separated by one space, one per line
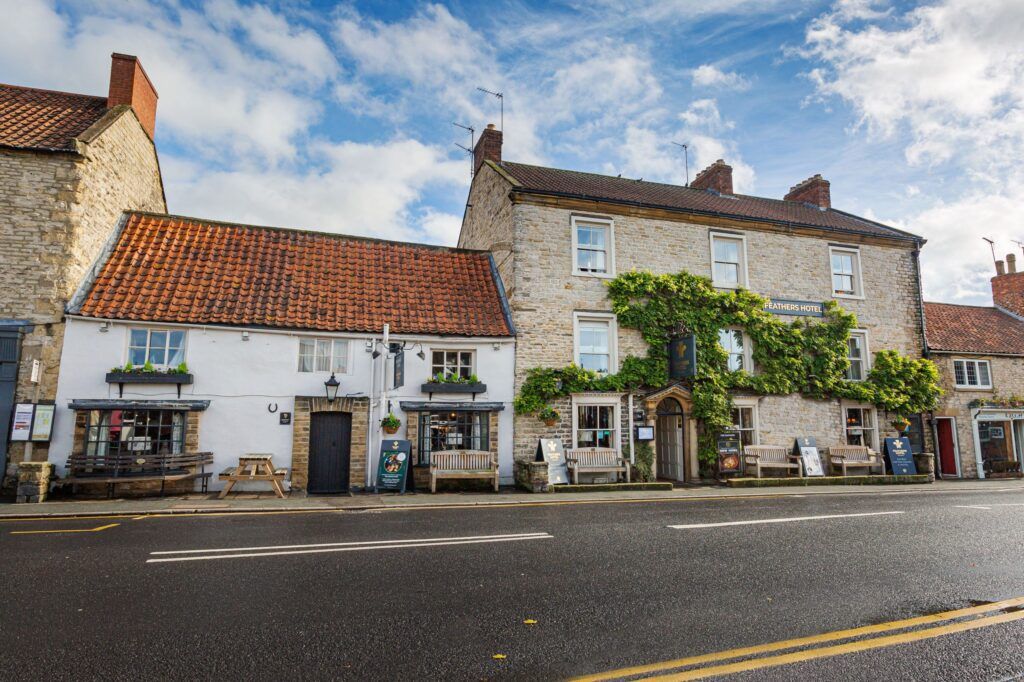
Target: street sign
807 449
393 465
399 369
729 452
900 456
682 357
550 450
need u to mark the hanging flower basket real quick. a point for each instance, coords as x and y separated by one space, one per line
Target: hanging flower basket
390 424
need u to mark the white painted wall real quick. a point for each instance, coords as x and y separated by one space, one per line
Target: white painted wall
242 378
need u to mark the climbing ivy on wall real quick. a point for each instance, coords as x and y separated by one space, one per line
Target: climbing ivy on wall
803 356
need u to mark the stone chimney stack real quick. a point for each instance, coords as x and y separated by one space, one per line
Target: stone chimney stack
1011 263
1008 286
1000 269
130 85
814 190
488 147
717 176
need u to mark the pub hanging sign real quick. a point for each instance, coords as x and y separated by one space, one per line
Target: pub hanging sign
682 357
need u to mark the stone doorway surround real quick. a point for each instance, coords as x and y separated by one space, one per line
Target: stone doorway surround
304 407
685 399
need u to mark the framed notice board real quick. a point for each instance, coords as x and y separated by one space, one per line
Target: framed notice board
42 423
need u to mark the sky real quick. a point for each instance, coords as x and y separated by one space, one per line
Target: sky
337 116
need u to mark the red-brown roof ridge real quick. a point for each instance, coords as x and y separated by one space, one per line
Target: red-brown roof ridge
964 328
168 268
46 120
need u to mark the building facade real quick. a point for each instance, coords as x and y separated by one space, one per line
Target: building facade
979 350
558 236
248 323
69 165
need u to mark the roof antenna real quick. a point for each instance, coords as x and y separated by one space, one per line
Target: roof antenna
501 101
992 245
472 143
686 159
1020 244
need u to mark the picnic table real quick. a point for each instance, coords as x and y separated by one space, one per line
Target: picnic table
253 467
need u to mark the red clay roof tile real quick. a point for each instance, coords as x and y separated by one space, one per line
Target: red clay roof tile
44 119
972 329
175 269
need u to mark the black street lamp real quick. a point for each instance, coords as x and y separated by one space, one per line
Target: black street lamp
332 385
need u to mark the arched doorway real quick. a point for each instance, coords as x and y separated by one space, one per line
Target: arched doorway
670 441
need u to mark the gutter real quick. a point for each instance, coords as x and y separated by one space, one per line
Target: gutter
916 255
505 309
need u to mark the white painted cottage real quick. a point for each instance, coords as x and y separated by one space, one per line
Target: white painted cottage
192 335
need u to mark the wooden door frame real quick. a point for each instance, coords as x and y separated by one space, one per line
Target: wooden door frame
956 444
681 428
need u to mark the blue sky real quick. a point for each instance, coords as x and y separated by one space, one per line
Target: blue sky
337 116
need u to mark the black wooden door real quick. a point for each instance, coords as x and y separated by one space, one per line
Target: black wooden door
10 346
330 444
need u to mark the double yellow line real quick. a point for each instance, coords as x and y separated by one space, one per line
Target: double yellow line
663 670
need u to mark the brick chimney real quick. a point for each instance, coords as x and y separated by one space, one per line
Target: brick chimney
1008 286
488 147
814 190
130 85
717 176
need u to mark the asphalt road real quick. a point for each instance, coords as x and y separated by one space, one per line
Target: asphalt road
608 586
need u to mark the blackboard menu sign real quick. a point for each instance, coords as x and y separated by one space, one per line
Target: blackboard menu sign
729 452
900 456
682 357
807 449
399 369
393 465
550 450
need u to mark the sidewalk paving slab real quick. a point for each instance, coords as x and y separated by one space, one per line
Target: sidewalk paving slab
260 502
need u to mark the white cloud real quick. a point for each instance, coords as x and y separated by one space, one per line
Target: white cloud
710 76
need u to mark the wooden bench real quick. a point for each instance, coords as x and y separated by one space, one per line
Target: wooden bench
595 461
771 457
463 464
136 467
843 457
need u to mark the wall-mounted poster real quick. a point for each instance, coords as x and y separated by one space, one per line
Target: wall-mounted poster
21 427
42 424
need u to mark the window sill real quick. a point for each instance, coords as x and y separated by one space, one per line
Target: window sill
596 275
733 286
987 389
850 297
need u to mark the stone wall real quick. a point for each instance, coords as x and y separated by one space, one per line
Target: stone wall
543 292
1007 380
304 407
57 210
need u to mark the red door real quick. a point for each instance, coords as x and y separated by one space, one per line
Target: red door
947 447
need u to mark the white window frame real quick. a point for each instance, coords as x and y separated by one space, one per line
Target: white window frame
606 399
348 355
751 404
609 225
149 335
858 275
973 387
748 354
874 444
613 336
866 360
453 349
742 269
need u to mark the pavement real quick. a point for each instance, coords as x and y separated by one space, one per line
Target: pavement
915 583
249 502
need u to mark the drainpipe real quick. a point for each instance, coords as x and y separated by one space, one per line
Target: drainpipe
369 418
632 456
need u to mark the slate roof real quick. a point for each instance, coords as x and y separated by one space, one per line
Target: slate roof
972 329
166 268
558 182
45 119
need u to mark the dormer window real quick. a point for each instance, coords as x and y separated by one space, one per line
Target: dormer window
593 247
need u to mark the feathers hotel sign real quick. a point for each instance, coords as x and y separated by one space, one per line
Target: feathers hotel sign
782 306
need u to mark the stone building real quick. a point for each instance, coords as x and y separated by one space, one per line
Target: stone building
979 350
242 326
558 236
69 165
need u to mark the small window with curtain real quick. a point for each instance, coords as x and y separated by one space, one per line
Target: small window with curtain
323 355
595 342
861 426
159 347
857 354
744 423
846 279
734 343
455 430
596 426
729 261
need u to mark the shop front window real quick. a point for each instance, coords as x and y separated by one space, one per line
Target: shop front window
441 431
135 432
996 440
596 427
743 423
860 426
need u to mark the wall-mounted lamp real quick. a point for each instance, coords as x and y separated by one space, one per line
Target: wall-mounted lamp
105 327
331 385
245 336
375 354
420 354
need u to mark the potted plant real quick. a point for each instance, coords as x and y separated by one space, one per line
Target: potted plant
390 423
549 416
447 382
900 423
148 374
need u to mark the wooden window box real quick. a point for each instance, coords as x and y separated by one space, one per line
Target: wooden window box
122 378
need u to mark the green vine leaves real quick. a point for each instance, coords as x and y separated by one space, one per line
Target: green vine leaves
803 357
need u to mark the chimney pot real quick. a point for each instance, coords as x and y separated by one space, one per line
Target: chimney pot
1000 270
814 190
130 85
1011 263
488 147
717 176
